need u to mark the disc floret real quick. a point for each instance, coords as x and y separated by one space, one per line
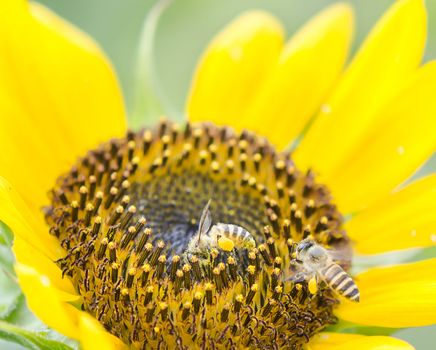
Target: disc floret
126 212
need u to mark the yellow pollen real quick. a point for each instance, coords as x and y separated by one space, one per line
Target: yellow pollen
313 286
226 244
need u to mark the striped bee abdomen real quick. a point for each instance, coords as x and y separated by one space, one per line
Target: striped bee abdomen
340 281
239 235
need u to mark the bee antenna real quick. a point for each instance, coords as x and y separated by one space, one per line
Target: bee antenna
206 207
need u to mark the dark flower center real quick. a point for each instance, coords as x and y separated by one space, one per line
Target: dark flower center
172 204
127 212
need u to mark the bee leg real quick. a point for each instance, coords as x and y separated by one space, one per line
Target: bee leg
298 277
296 265
205 267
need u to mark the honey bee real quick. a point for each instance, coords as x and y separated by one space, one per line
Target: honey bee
314 261
220 236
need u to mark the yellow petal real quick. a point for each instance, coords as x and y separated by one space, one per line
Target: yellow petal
307 68
390 54
25 223
27 255
404 219
396 296
58 96
233 67
44 300
338 341
49 304
94 336
33 245
401 140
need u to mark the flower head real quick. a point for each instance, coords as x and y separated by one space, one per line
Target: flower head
190 235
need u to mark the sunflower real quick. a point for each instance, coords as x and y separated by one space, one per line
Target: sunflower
104 226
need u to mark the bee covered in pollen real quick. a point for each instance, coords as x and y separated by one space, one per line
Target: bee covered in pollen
313 263
220 236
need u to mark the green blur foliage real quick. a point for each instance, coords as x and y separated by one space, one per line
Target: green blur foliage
28 339
19 328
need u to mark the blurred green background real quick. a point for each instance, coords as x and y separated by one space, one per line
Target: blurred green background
187 26
184 31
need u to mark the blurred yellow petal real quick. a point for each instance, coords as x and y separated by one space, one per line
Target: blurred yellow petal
94 336
396 296
58 96
233 68
44 300
301 80
404 219
25 223
28 255
91 107
401 140
338 341
33 245
390 54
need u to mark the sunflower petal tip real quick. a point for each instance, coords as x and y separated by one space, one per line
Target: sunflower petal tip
343 7
344 12
412 5
258 18
254 39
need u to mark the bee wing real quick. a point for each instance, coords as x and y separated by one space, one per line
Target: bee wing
205 221
341 255
298 273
